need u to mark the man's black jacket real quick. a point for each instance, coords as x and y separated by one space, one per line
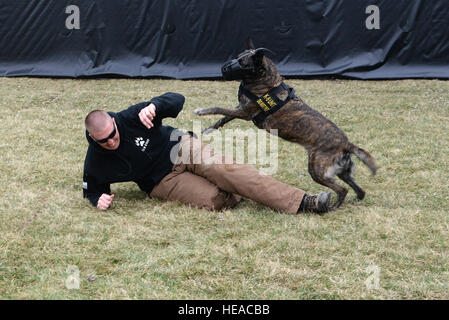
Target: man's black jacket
143 155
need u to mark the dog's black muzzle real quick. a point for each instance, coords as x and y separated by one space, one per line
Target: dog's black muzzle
232 69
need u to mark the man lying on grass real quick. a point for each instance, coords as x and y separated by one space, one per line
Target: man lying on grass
133 145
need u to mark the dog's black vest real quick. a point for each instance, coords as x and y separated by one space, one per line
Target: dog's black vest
269 102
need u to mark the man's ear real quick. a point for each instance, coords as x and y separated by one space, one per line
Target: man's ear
249 44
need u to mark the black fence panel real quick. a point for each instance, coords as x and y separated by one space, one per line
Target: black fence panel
365 39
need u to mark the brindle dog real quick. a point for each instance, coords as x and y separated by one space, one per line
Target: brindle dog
327 145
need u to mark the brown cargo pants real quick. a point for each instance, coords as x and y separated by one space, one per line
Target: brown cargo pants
203 178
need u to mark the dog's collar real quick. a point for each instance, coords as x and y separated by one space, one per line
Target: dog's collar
269 102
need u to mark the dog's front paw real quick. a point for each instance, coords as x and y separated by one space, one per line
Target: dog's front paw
208 130
200 112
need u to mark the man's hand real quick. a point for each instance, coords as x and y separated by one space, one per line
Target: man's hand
105 201
147 115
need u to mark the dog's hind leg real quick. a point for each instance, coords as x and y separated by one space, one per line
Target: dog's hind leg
220 123
323 173
347 175
350 180
339 190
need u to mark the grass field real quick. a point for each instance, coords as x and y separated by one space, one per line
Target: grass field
392 245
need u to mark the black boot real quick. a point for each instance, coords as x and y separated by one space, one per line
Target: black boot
319 203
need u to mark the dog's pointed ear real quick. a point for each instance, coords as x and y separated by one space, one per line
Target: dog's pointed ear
250 44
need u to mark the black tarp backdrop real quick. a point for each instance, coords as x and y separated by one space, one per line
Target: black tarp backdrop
191 39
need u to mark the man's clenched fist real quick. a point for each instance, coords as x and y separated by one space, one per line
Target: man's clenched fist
147 115
105 201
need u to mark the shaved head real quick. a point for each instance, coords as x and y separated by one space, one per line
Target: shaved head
97 120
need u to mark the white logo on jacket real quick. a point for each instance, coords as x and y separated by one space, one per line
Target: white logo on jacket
141 143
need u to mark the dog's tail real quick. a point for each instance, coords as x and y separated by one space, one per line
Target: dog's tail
364 156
